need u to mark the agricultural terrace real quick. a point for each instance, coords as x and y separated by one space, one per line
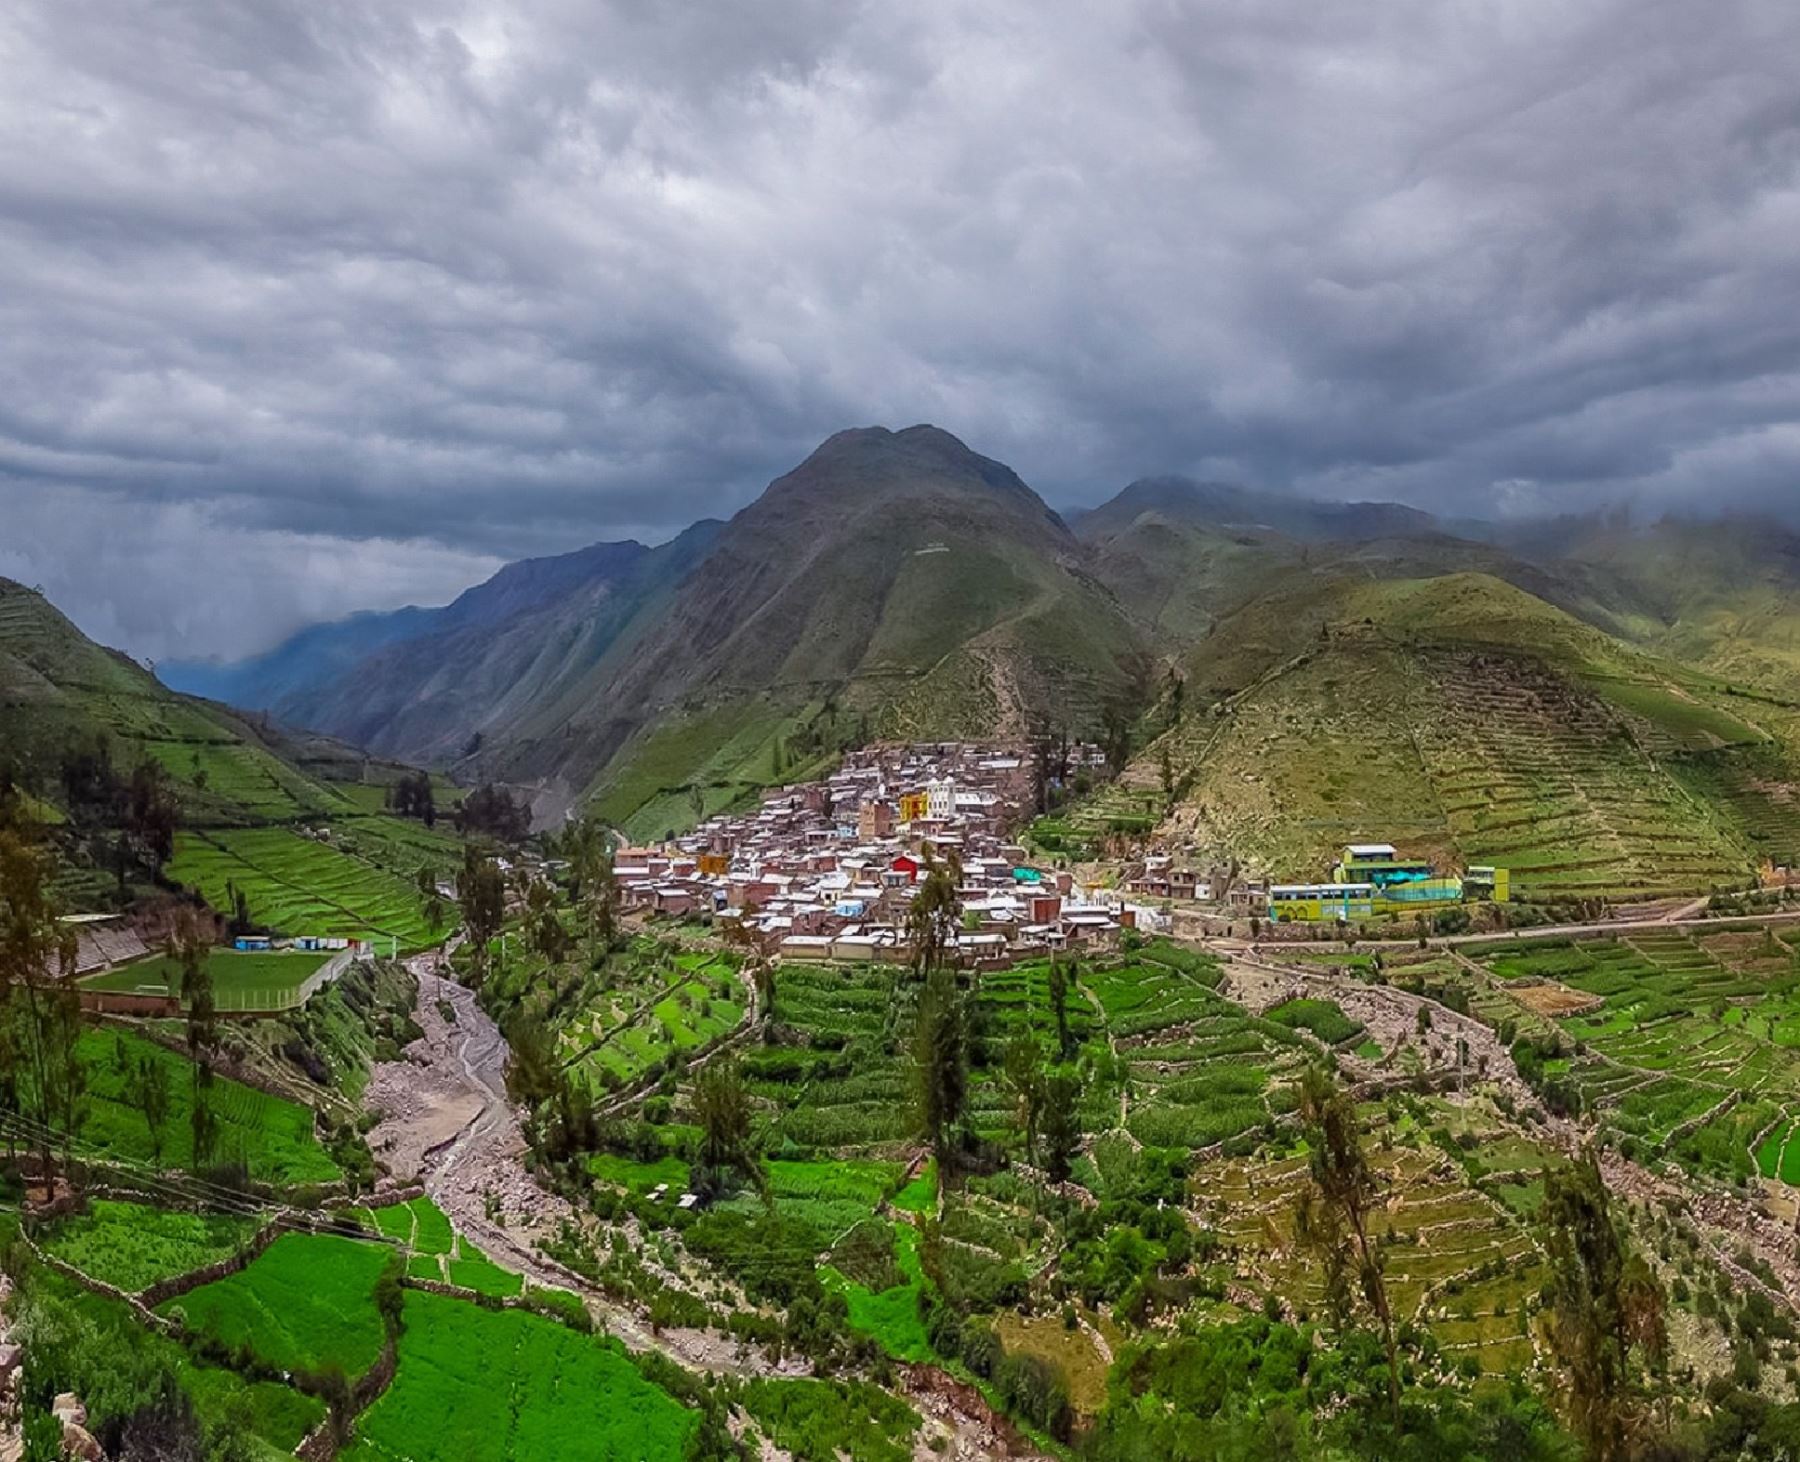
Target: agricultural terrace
131 1246
1460 1262
221 778
1679 1041
1196 1069
825 1418
1543 778
307 1307
1581 785
567 1395
655 1004
113 1348
296 884
237 978
434 1250
1167 1067
274 1138
305 1304
1115 809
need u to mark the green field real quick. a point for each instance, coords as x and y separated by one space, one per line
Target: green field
304 1304
274 1138
236 977
566 1395
131 1246
656 1007
299 885
1694 1049
104 1341
817 1421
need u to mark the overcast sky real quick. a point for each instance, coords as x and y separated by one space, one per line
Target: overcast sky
315 305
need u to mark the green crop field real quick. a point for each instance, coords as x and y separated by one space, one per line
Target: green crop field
304 1304
131 1247
300 885
567 1395
112 1341
818 1421
665 1006
273 1137
1694 1047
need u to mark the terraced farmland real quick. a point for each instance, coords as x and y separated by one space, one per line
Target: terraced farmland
568 1395
1694 1047
1457 1261
435 1251
663 1009
305 1303
299 885
1199 1071
132 1246
275 1139
1540 776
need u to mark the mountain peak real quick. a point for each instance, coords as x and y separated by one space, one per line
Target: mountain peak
865 466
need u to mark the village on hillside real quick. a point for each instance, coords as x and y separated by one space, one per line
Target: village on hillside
827 870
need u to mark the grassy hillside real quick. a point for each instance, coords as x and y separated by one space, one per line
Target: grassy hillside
1465 719
256 805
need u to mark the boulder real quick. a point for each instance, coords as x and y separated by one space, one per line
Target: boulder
79 1443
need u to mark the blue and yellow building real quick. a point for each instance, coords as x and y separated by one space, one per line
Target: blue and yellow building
1372 879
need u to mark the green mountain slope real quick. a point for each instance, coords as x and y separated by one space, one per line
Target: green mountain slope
1724 595
1465 718
894 584
255 805
894 579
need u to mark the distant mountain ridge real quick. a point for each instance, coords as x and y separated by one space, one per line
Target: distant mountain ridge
897 583
1227 506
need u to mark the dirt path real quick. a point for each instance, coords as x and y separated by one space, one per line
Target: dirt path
446 1121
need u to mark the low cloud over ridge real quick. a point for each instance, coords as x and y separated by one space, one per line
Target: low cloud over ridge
404 289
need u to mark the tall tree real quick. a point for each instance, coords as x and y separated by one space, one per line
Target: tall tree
1059 1008
412 796
1115 740
1024 1068
941 1062
1606 1303
1061 1123
431 902
592 888
722 1111
481 893
933 917
189 945
149 1087
494 812
544 929
152 814
1334 1213
37 967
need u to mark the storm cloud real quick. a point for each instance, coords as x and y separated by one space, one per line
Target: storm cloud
351 301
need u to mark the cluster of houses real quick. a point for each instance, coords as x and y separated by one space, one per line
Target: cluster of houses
828 870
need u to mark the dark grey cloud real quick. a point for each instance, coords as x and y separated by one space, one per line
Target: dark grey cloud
360 298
